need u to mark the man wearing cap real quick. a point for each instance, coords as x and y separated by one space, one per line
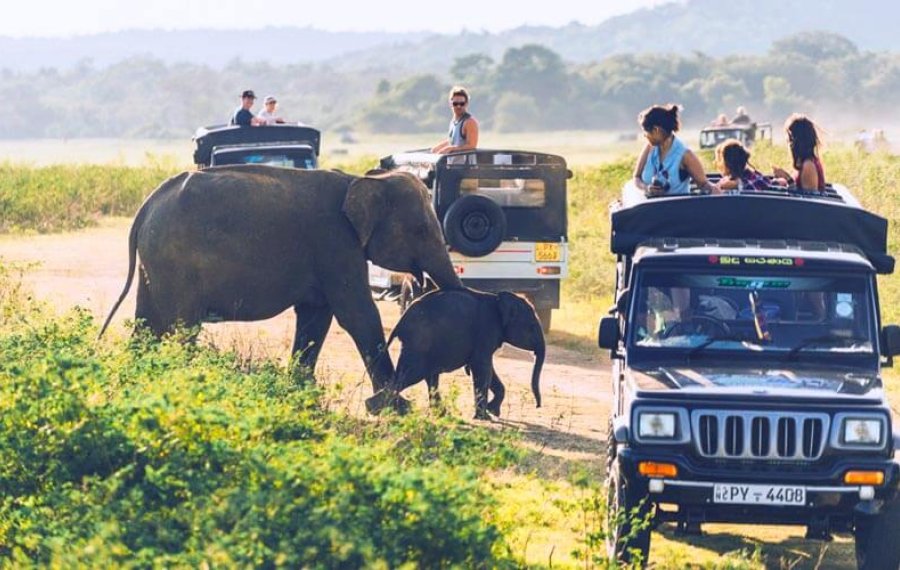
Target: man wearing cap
268 114
242 115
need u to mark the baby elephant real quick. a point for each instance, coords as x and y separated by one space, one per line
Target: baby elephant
450 328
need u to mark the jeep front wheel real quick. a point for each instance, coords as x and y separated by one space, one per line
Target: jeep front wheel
876 538
627 514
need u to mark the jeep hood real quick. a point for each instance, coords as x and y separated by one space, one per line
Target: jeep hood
790 382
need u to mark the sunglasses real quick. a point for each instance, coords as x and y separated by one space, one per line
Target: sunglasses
458 103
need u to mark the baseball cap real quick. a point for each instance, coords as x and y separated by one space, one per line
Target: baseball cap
270 99
248 93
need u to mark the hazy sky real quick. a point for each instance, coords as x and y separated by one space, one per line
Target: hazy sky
75 17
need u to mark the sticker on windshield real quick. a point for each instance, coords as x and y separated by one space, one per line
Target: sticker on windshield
770 261
740 283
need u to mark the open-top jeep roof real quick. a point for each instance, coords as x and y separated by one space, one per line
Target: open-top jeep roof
225 138
833 215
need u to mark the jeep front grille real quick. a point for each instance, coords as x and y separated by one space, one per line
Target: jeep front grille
721 434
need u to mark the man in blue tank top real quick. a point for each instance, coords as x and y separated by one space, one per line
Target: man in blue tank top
463 133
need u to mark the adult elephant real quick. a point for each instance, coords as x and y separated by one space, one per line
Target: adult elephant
244 243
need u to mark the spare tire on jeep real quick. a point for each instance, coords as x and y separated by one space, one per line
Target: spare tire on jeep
474 225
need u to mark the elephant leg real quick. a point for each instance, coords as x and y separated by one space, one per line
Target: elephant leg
146 313
434 396
482 373
313 322
499 394
358 315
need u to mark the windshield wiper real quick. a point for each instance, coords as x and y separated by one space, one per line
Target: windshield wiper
824 340
714 339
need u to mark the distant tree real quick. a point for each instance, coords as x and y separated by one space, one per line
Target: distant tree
515 112
384 87
532 70
815 46
472 70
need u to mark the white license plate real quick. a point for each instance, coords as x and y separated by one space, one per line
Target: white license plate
759 494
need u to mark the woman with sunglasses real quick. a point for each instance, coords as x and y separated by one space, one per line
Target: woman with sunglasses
666 165
804 142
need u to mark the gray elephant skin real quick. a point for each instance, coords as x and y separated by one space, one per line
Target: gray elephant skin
244 243
447 329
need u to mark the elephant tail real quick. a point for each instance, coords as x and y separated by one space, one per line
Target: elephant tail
132 246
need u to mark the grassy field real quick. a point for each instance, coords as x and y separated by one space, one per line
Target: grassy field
197 452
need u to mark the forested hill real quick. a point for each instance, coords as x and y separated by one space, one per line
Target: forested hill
712 27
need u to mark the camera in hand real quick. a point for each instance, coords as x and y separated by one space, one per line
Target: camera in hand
660 182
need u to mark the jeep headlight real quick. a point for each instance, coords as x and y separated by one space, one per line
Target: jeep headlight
656 425
862 431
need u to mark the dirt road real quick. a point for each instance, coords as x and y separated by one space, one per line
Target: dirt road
88 268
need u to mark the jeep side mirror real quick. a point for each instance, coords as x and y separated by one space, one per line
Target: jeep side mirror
608 335
890 340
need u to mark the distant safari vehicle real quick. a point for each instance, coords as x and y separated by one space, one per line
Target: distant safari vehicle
504 218
288 146
747 134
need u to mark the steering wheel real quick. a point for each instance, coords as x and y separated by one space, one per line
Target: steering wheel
698 325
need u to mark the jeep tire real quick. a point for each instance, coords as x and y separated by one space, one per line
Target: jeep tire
474 225
544 315
877 546
628 514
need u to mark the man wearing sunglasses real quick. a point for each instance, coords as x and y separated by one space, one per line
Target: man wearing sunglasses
463 133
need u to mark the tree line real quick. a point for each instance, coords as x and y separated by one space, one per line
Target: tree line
531 88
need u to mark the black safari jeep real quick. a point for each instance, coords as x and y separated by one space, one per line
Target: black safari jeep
504 218
747 133
289 146
747 348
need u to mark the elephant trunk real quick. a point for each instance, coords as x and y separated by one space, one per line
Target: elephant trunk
443 273
536 373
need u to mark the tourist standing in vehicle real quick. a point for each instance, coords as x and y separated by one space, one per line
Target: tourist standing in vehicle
268 113
666 166
463 133
242 115
804 142
741 118
733 159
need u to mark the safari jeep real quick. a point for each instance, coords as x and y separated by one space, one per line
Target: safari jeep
747 349
747 134
288 146
504 218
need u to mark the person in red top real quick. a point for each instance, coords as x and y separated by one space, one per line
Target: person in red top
804 142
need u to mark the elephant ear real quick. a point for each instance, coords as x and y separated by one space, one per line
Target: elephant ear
365 206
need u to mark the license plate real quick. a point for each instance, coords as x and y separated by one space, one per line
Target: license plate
546 252
759 494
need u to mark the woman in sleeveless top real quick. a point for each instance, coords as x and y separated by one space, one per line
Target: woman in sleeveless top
804 142
666 166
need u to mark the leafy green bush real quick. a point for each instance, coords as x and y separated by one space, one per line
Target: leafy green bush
170 454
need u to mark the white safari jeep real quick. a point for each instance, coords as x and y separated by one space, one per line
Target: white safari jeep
504 218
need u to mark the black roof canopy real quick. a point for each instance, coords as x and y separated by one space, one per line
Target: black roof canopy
831 216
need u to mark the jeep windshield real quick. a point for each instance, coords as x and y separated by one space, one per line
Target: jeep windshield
730 313
298 157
